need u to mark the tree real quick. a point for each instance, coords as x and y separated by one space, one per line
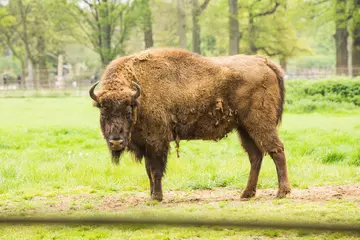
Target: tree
356 38
234 34
341 35
280 36
254 13
145 19
8 30
22 11
106 25
181 23
196 12
338 13
41 31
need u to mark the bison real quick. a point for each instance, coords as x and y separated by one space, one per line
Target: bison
161 95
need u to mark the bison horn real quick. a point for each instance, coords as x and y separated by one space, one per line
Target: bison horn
138 90
91 92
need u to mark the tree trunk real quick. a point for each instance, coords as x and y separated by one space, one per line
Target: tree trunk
283 63
356 52
341 36
181 24
148 35
109 55
21 59
356 40
42 69
251 29
196 27
234 35
30 59
341 51
35 73
23 73
60 72
104 28
29 79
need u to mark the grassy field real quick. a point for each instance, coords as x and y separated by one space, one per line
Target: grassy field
53 161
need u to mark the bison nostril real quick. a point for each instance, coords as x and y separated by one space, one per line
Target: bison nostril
119 141
116 144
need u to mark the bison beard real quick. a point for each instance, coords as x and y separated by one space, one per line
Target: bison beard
115 155
186 96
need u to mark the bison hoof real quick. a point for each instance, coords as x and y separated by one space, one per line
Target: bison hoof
283 192
248 194
157 196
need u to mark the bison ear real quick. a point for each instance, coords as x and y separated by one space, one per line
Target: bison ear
138 91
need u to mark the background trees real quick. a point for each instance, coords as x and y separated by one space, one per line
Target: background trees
34 33
105 25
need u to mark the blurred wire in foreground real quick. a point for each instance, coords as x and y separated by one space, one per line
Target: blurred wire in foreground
179 223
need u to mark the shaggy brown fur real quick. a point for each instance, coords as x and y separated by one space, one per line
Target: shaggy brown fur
188 96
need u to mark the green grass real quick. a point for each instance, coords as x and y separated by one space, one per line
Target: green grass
51 147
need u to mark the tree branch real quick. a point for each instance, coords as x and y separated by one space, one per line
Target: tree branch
254 2
24 36
267 52
270 11
319 2
117 16
88 3
203 6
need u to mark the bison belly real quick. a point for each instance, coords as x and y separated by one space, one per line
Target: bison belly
208 127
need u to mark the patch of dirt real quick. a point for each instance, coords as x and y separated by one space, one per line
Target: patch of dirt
312 194
347 192
124 200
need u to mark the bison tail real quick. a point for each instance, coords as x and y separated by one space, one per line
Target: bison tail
280 77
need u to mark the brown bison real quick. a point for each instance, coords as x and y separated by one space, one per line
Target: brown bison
157 96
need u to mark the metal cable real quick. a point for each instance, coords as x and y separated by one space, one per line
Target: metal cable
178 223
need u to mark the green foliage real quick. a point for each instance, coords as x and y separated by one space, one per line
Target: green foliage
105 25
322 95
278 37
10 65
87 55
42 19
214 40
344 91
115 28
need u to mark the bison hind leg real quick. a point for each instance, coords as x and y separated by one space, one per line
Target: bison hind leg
267 140
255 157
280 163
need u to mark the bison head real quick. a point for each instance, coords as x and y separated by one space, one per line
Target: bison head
117 106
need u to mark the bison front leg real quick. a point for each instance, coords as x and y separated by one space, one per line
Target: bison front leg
156 166
157 193
148 171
